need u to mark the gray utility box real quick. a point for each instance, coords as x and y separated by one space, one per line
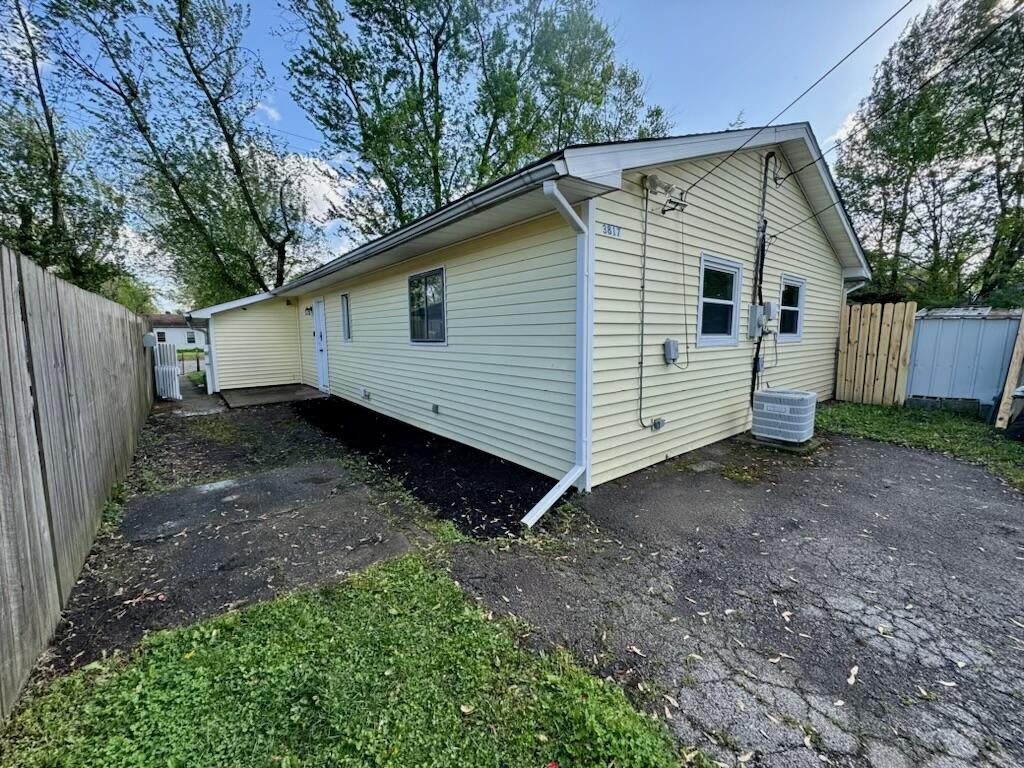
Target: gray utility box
786 415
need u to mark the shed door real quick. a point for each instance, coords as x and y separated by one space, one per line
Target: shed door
320 341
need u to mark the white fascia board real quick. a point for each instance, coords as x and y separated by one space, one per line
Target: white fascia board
610 160
208 312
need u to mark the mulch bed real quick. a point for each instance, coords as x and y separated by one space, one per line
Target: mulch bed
483 495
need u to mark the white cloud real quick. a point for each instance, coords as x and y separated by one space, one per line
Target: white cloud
322 189
848 126
269 111
142 259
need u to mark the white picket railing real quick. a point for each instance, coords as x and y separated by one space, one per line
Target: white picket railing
165 361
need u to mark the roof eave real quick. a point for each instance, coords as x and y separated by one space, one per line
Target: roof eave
528 178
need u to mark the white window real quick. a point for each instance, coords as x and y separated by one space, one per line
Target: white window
161 336
791 308
426 307
346 319
718 312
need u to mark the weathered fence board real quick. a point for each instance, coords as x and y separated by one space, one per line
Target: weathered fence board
874 352
75 388
1014 374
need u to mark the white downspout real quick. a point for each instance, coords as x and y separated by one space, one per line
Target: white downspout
584 229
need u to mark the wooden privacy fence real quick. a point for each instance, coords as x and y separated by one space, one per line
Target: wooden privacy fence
75 388
874 352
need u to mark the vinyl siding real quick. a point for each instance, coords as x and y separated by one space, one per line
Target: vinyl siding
505 378
708 400
257 345
179 337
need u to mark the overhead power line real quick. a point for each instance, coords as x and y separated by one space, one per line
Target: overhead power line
954 62
807 90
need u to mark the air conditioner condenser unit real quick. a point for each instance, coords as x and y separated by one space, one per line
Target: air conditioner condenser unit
784 415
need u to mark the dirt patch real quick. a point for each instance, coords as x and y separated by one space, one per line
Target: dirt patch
483 495
176 451
186 554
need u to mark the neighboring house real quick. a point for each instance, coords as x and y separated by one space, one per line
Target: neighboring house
511 319
175 330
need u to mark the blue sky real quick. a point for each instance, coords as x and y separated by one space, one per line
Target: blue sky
704 61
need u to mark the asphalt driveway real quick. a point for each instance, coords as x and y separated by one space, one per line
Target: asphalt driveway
863 606
860 607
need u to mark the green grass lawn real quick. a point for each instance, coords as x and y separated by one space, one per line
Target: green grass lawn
189 354
944 431
393 668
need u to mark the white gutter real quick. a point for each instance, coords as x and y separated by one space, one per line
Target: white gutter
584 229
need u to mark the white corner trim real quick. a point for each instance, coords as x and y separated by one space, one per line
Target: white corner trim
212 384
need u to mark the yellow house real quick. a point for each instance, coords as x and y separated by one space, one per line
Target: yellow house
529 319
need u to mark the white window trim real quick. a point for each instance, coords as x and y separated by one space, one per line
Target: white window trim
345 307
708 260
801 282
444 306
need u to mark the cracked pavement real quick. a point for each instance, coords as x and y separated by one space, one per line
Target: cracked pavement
859 607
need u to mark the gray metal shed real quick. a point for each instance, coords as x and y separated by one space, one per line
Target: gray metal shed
962 353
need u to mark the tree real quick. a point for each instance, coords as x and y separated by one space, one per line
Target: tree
932 165
990 92
177 91
424 100
131 292
54 208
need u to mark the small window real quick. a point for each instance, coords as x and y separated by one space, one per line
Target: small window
426 307
346 319
791 308
190 337
161 336
718 315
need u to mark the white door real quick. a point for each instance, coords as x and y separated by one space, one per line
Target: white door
320 341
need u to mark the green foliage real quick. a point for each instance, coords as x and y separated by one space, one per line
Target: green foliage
426 100
129 291
84 245
392 668
747 474
951 433
933 166
198 379
176 92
